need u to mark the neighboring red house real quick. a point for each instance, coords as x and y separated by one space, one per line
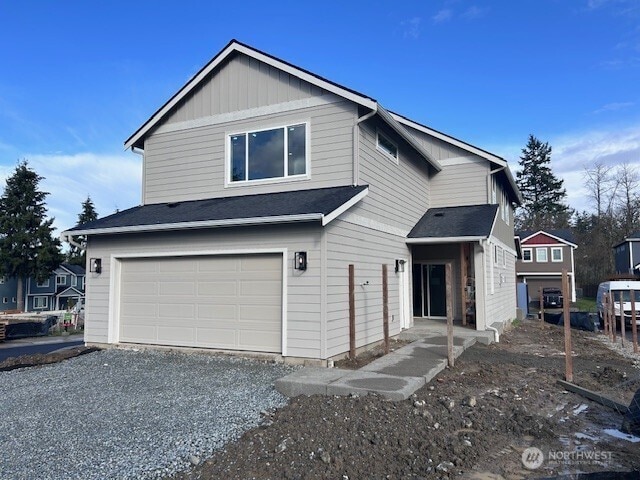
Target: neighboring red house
545 253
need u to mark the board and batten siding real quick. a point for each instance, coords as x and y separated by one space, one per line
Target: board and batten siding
367 250
189 164
241 83
462 181
398 191
303 288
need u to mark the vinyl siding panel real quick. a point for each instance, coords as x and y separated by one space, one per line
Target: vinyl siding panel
303 288
549 266
398 192
241 83
367 249
500 302
190 164
461 182
438 148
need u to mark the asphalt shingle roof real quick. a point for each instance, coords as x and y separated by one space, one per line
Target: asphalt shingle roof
299 202
564 233
465 221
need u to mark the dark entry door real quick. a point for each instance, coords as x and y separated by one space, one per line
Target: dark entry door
429 290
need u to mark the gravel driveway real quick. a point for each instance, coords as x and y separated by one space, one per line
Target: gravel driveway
128 414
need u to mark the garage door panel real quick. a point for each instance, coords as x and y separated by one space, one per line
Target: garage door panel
228 302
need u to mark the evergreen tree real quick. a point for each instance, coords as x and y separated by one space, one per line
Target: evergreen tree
27 245
76 255
544 197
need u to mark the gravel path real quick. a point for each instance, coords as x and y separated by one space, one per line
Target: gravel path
128 414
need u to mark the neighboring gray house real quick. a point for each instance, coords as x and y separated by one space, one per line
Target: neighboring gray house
545 254
627 255
256 168
8 289
64 287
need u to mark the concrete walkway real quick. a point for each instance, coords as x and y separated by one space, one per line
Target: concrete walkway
394 376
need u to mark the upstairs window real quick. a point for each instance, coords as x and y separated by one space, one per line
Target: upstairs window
61 280
268 154
43 284
541 254
556 254
526 255
387 147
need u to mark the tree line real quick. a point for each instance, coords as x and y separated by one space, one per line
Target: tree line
614 192
28 248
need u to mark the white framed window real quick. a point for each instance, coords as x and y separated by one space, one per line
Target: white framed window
1 280
386 146
556 254
43 284
81 281
40 302
541 254
13 299
527 256
61 280
268 155
5 299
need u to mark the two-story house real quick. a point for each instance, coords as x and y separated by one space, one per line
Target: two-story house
8 289
545 254
626 255
262 184
63 288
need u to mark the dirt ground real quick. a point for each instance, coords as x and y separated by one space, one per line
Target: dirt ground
473 421
43 358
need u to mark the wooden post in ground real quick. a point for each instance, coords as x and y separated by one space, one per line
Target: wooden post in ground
352 313
614 322
634 327
605 313
449 292
463 282
622 320
541 306
385 308
568 362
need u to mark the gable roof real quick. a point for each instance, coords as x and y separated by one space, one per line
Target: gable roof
234 47
74 269
634 237
68 291
563 235
472 222
320 204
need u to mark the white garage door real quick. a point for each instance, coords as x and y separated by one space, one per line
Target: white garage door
228 302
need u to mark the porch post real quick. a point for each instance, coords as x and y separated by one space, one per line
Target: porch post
463 283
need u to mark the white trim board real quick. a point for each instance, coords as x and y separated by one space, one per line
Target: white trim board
113 328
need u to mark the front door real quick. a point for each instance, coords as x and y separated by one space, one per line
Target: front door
429 290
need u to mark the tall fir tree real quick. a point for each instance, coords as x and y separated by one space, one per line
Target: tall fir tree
544 196
77 255
27 245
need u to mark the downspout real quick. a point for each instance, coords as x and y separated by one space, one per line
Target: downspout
483 246
356 144
489 175
496 334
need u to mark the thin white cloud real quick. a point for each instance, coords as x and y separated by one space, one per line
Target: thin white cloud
473 12
614 107
112 180
442 16
411 27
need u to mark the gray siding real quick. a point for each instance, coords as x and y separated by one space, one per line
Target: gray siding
398 192
461 182
303 290
436 147
548 266
190 164
367 249
500 302
239 84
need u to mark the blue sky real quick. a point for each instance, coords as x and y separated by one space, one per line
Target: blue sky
77 77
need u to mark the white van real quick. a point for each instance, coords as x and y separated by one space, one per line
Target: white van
619 287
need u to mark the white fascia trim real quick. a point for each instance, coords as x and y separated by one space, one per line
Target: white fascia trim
221 57
561 240
495 219
436 240
307 217
326 219
372 224
543 274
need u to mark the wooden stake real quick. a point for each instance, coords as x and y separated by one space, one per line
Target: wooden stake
614 322
352 313
385 308
449 291
634 327
605 313
541 306
622 320
463 283
568 362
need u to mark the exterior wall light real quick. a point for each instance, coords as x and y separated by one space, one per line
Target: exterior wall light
400 265
300 261
95 265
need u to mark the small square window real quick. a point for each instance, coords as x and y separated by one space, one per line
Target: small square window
43 284
387 147
61 279
541 254
526 255
556 254
40 302
5 299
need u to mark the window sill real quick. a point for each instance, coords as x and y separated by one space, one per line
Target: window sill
267 181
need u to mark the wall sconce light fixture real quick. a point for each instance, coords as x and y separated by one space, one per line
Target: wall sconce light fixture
95 265
400 265
300 261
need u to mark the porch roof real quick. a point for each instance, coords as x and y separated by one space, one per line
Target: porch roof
455 224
